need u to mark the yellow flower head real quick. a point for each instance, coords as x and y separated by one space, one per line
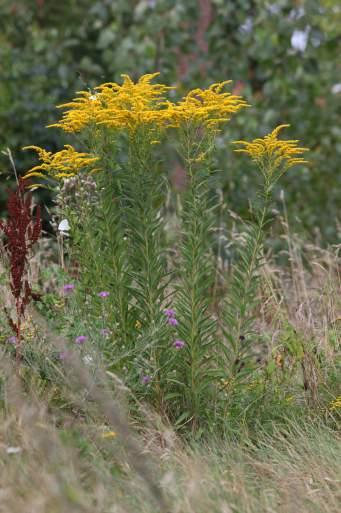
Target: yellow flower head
109 434
63 164
125 106
270 153
82 111
335 404
133 104
208 107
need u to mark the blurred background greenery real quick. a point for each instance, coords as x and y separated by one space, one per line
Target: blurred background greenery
283 56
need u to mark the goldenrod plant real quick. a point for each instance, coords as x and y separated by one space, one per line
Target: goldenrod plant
200 115
273 157
156 317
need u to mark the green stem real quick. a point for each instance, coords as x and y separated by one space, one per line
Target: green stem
252 266
193 290
144 195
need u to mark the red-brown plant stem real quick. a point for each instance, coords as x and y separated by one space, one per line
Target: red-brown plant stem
21 230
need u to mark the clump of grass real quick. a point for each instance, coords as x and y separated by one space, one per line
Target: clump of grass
60 462
294 469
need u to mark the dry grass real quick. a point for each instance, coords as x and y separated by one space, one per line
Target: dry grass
294 470
64 465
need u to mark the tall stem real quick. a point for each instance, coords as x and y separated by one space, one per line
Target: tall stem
242 296
144 194
196 277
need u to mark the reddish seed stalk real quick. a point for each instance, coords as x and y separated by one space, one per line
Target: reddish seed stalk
22 230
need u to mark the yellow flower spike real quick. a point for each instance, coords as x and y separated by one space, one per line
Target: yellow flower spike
43 154
270 153
134 104
219 86
109 434
208 107
125 106
81 112
34 173
62 164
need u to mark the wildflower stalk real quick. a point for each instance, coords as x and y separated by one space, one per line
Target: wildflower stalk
242 296
196 276
98 239
22 230
115 259
273 157
144 192
143 198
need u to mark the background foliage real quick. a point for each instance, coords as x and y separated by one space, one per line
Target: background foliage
281 55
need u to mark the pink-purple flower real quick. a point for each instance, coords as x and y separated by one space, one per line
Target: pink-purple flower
68 287
12 340
104 293
81 339
178 344
169 312
172 321
146 379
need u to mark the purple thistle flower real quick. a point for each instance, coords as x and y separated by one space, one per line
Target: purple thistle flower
178 344
12 340
146 379
68 287
172 321
105 332
169 312
64 355
104 293
81 339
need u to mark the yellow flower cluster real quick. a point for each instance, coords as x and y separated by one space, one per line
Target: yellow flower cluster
131 105
82 112
109 434
209 107
62 164
270 153
118 106
127 107
335 404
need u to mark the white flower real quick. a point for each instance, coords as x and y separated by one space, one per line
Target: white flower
246 26
87 359
336 89
299 39
64 226
13 450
